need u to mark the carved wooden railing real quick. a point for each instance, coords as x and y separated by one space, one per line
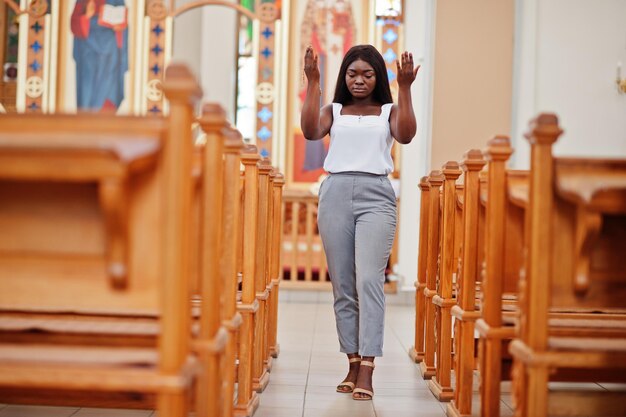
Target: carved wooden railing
303 258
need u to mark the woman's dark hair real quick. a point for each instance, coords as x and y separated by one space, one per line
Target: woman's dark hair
369 54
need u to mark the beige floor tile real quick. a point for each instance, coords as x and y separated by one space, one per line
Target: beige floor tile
410 413
106 412
335 401
424 402
36 411
338 413
263 411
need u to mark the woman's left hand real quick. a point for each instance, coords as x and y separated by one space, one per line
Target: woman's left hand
406 72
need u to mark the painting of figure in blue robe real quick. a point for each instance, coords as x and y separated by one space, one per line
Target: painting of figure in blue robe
101 55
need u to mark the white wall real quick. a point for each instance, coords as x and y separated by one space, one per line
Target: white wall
566 57
187 40
218 56
415 156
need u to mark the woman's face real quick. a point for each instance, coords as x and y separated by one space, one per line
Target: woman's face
361 79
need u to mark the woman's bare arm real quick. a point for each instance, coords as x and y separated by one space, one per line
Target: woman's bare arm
315 122
402 119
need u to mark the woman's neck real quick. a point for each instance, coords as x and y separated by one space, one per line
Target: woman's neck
363 102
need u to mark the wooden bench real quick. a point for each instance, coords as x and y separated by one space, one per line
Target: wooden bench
576 226
213 278
97 254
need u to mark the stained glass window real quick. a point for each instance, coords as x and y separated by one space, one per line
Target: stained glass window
388 7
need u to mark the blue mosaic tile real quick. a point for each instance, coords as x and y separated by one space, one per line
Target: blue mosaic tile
390 55
264 134
265 114
156 49
390 36
36 47
267 33
157 30
266 52
35 65
36 27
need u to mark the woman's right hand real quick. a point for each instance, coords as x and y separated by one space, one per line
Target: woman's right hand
311 69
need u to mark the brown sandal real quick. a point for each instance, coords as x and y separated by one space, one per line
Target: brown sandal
348 384
370 394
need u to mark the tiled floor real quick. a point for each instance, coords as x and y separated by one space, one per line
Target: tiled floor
304 376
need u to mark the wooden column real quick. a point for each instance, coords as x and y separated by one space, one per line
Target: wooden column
441 385
260 377
37 68
228 265
157 22
427 367
247 399
465 311
417 351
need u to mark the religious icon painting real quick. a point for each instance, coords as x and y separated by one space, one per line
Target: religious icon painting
98 58
331 27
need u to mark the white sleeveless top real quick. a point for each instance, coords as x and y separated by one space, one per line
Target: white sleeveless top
360 143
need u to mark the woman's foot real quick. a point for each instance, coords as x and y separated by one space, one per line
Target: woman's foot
364 390
350 380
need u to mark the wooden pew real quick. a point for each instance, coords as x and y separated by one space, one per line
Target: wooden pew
465 312
416 352
215 126
441 384
576 226
435 180
116 172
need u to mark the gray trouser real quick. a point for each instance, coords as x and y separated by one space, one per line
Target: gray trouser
357 223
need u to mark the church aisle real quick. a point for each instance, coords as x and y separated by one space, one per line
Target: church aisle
309 367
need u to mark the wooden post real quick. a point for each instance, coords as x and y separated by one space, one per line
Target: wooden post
497 153
208 400
228 266
277 233
464 311
417 351
427 367
267 358
247 399
182 91
260 377
441 384
543 132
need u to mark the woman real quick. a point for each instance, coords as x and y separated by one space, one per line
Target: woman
357 205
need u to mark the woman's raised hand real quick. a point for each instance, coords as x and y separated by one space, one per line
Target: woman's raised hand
311 69
406 72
